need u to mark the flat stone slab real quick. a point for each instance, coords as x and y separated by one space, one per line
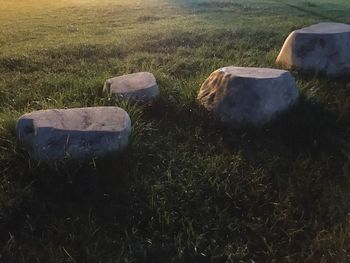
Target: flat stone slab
78 134
321 48
248 96
141 86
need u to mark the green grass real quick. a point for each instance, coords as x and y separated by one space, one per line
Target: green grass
187 189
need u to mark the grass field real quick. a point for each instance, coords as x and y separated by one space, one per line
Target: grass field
187 189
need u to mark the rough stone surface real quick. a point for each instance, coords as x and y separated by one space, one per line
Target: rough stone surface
141 86
321 48
248 96
78 134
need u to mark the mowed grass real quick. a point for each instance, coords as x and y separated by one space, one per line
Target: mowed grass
187 189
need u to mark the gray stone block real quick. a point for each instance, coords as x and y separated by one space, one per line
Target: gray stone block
321 48
78 134
141 86
248 96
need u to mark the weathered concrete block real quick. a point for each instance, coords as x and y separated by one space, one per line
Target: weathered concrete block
141 86
321 48
78 134
248 96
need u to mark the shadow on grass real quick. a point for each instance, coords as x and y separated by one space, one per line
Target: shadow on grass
308 126
342 79
119 192
335 12
36 191
57 59
308 134
306 9
222 38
